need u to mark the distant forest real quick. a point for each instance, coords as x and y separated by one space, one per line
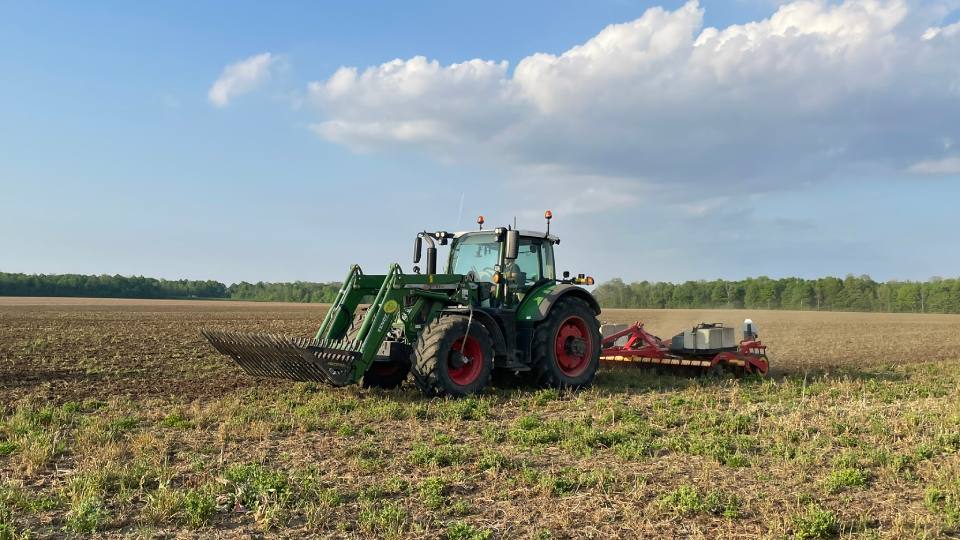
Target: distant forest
852 293
144 287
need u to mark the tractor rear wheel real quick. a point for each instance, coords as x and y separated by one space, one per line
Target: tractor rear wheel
388 375
453 357
566 346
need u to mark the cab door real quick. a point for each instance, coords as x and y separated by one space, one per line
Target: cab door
534 263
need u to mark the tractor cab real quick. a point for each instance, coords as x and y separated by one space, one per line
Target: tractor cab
484 258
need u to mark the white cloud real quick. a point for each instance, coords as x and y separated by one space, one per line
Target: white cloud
815 91
950 165
948 31
413 101
241 77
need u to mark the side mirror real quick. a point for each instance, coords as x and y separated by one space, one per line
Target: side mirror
566 274
513 245
417 248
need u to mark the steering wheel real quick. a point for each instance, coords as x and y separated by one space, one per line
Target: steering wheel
485 273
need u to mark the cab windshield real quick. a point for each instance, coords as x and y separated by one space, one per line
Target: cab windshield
477 253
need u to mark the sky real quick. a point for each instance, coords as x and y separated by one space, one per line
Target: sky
672 140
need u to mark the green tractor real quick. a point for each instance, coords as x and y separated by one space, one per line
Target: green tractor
499 306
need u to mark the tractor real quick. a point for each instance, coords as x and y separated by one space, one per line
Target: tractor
499 306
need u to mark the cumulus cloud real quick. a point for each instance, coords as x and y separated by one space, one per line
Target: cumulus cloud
816 90
241 77
414 101
950 165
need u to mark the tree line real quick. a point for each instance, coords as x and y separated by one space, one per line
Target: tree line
853 293
105 286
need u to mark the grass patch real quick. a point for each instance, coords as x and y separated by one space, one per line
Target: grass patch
387 519
847 478
432 492
687 500
814 522
945 502
176 420
199 507
263 492
440 455
532 431
162 505
568 480
7 448
87 515
461 530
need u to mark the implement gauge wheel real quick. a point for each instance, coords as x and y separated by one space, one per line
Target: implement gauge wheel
449 361
566 346
388 375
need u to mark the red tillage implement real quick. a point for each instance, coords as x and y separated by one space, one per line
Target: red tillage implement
642 347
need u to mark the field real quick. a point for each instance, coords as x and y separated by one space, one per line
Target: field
117 419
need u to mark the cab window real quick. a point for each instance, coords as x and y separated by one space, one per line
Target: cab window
534 262
528 262
546 254
477 253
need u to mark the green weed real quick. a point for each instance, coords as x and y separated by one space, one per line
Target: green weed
814 522
687 499
846 478
176 420
443 455
199 507
266 492
387 519
431 492
87 515
460 530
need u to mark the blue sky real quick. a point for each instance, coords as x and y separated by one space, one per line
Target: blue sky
821 140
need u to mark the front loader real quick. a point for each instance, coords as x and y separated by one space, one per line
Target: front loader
498 306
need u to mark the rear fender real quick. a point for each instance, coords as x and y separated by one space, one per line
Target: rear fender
536 304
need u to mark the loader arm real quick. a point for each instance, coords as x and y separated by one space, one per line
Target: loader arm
331 356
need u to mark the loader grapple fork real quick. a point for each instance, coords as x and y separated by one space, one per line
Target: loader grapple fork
299 359
328 357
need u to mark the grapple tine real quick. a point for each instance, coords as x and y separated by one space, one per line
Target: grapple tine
299 359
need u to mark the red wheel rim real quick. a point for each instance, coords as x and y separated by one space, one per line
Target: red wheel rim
469 371
574 346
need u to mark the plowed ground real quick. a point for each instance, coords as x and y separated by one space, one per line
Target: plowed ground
119 420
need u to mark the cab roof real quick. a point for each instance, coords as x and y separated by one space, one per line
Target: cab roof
523 232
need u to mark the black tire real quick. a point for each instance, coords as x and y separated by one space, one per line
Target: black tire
434 361
508 378
549 371
358 316
387 375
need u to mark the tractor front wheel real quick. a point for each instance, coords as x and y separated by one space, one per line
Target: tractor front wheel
566 346
453 357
